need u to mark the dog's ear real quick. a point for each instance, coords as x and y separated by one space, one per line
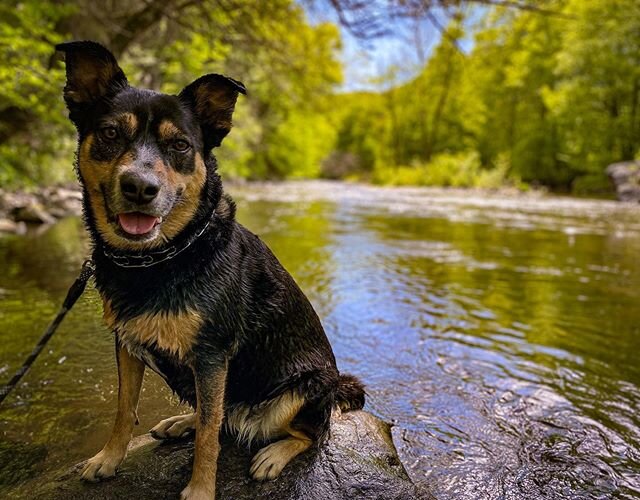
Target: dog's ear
92 74
212 98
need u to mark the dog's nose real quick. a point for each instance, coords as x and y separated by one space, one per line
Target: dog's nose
139 187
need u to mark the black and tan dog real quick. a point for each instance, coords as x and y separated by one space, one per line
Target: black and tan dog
188 291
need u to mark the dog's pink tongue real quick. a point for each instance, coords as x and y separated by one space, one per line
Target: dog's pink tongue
137 223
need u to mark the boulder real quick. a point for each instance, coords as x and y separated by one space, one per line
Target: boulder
9 226
33 212
626 179
61 202
358 461
42 206
10 201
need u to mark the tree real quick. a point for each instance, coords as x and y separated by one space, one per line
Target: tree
289 66
31 110
512 67
596 100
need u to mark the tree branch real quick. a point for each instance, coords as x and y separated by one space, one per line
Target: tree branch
368 20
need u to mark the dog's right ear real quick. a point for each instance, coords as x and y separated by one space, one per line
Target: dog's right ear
92 74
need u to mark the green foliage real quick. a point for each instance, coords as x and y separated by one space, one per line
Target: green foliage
460 170
34 133
299 144
540 99
597 98
549 99
289 66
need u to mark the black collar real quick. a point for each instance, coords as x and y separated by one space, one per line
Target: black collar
153 257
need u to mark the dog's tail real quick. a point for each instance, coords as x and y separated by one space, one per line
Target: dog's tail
351 393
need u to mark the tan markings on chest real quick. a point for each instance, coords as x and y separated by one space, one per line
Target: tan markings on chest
169 331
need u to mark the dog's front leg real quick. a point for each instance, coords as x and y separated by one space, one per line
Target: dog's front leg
210 380
130 373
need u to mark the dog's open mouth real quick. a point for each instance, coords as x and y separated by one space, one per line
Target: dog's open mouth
137 223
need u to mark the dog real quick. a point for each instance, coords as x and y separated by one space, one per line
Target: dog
188 291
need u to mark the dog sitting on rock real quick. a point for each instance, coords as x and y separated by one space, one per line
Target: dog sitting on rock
188 291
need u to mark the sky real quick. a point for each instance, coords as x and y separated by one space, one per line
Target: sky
365 62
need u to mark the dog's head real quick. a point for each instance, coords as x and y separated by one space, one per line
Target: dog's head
142 156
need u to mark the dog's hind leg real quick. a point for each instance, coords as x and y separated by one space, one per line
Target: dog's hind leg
174 427
302 422
270 460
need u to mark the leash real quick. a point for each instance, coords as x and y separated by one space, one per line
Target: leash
73 294
88 269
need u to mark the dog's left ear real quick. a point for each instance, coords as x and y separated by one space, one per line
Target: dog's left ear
213 98
92 74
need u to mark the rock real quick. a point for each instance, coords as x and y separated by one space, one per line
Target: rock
34 212
8 226
626 179
43 206
340 164
358 461
10 201
61 202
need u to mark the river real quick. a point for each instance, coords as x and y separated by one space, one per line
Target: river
499 334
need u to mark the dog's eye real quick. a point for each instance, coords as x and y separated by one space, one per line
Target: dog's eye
109 133
181 145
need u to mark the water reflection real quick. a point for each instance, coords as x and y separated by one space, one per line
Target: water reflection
499 334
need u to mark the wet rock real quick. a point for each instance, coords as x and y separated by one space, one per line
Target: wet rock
10 201
626 179
358 461
42 206
33 212
9 226
61 202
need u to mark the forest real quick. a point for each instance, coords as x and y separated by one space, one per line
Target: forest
545 96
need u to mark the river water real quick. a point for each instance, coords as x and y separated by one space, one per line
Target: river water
500 335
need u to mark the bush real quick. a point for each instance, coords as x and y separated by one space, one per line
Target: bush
461 170
592 184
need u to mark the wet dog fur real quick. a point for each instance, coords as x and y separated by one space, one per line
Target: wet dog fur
222 322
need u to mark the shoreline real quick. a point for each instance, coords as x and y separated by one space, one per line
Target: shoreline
48 204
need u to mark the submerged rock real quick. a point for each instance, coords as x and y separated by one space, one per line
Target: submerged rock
358 461
626 179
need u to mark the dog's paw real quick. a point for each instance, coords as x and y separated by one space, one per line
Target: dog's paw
174 427
103 465
269 461
194 493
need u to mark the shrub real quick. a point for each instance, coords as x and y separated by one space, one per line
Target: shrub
462 170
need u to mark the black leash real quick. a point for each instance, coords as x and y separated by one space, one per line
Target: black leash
121 259
73 294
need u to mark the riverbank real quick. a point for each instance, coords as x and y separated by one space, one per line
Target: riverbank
46 205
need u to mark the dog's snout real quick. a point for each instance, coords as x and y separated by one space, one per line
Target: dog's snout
139 187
